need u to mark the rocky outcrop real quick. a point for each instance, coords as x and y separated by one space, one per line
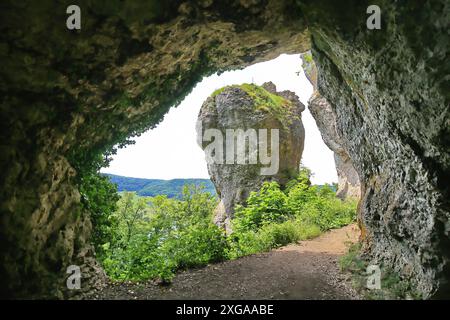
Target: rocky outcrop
249 108
65 103
387 90
325 117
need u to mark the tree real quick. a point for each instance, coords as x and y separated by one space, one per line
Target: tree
131 212
99 197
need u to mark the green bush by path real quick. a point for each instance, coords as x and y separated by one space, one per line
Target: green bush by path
273 218
156 236
168 235
270 236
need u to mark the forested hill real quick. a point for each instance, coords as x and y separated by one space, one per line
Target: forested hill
154 187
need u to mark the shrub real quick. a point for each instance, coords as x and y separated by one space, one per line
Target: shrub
99 196
273 218
197 245
155 237
318 205
269 236
328 213
288 232
266 206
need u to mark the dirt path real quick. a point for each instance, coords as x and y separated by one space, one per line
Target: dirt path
308 270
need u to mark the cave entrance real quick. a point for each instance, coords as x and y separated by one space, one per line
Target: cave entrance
166 191
178 155
69 101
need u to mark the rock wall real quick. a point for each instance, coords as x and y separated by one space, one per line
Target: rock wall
65 103
69 96
250 107
387 89
325 117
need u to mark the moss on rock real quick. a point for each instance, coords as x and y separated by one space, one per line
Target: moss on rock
248 107
266 101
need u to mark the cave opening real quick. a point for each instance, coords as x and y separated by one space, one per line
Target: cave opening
178 150
167 161
66 103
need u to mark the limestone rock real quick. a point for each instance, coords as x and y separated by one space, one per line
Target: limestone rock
249 107
65 103
392 110
325 117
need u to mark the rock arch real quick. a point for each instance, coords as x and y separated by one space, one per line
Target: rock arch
68 96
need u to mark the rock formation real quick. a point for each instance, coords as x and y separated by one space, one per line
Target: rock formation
65 103
325 116
250 107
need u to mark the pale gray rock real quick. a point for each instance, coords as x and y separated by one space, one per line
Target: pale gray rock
235 108
349 185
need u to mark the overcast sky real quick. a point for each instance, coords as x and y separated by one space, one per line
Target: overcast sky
170 150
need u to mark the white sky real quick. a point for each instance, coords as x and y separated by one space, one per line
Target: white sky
170 150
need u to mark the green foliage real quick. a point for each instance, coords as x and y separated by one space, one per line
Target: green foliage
99 196
352 261
268 237
263 98
318 205
130 215
273 217
263 207
154 187
157 236
326 212
303 178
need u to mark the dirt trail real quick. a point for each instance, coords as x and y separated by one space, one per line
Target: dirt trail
308 270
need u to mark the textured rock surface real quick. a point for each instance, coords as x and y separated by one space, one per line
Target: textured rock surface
244 107
66 102
325 117
68 96
390 96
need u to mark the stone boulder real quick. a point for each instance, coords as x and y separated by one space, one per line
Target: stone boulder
252 110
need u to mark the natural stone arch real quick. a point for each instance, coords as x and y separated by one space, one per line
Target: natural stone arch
68 96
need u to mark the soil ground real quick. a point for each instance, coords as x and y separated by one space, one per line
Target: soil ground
307 270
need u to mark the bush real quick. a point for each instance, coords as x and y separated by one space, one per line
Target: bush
197 245
319 205
270 236
263 207
273 218
328 213
99 197
155 237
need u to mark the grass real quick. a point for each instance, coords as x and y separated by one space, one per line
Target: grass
265 101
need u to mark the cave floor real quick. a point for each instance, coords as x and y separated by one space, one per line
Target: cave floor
307 270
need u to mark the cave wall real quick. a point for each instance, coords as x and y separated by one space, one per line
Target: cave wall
326 120
389 90
69 96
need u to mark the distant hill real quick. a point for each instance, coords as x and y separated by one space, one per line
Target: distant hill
154 187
